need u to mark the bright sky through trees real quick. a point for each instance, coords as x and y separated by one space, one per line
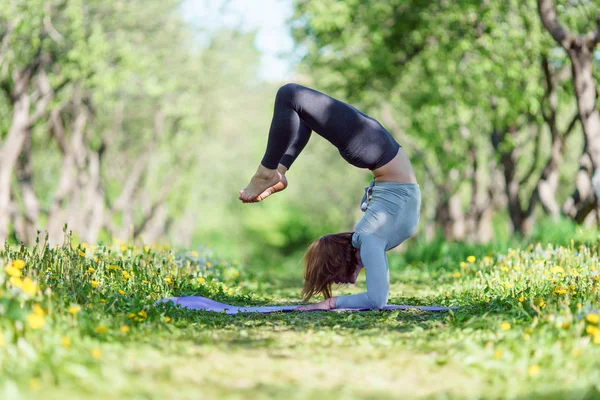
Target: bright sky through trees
268 17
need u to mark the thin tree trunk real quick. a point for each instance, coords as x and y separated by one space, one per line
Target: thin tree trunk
580 51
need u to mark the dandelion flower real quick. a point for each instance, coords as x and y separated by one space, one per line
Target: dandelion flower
521 299
113 268
19 264
168 319
592 318
168 280
101 329
533 370
94 284
456 275
13 271
558 270
505 326
124 329
91 270
201 280
65 342
121 292
74 309
29 287
96 354
471 259
230 292
36 321
591 330
34 384
194 254
498 353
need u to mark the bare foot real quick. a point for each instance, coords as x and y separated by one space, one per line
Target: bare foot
278 187
262 182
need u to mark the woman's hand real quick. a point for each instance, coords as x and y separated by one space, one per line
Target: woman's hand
325 305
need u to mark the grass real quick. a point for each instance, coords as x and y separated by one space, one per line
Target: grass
80 322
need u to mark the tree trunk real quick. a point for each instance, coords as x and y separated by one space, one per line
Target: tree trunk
580 51
27 230
12 148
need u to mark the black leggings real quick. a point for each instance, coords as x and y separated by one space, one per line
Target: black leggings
360 139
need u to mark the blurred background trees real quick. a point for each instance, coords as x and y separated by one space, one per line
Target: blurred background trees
118 121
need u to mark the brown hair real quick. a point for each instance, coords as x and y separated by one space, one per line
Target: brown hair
328 257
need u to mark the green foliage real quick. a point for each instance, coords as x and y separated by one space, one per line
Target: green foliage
81 321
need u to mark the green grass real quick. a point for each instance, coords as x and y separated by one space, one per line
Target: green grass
526 328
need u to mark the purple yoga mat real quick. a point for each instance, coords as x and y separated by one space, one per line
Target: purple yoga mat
204 304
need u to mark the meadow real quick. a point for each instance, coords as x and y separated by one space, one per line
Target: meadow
80 321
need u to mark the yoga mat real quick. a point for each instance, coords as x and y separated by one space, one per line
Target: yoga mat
205 304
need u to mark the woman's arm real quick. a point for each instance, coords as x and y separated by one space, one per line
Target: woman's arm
372 253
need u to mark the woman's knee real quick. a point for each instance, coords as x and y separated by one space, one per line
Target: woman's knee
288 92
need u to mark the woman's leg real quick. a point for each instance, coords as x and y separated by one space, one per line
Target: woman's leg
288 136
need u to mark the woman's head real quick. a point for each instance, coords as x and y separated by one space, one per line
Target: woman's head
328 260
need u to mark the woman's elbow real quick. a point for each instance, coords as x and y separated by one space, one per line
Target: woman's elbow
378 301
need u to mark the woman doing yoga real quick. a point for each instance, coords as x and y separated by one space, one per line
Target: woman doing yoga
391 203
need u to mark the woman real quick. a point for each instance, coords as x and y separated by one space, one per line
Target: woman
391 203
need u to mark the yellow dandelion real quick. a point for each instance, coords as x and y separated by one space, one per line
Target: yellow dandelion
597 338
146 248
96 354
94 284
65 342
84 245
230 292
124 329
113 268
534 370
236 273
18 263
505 326
517 268
194 254
521 299
592 318
208 265
123 248
456 275
498 353
526 336
168 319
121 292
557 270
101 329
2 341
103 301
29 287
463 264
91 270
507 285
81 253
471 259
13 271
35 385
591 330
201 280
74 309
16 282
143 314
596 278
36 321
168 280
504 269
